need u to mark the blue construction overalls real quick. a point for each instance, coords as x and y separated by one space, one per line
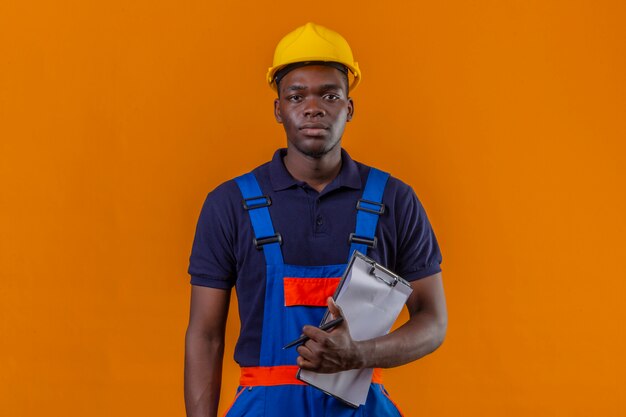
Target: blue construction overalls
295 296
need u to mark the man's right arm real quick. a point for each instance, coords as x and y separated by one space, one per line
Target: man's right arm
204 350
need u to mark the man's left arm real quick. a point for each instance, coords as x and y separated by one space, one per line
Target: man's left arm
334 351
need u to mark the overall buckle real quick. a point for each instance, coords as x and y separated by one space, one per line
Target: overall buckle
363 240
379 208
260 242
248 206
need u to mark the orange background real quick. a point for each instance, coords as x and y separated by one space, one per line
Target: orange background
507 117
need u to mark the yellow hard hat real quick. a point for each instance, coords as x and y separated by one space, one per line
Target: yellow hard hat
310 43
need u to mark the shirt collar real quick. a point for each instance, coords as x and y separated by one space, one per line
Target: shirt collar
281 179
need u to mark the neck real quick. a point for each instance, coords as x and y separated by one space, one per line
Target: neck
317 172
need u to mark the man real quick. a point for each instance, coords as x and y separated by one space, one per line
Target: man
283 233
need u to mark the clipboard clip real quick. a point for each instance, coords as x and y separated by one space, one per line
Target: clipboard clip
391 283
373 266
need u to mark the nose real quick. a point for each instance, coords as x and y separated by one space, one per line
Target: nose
313 109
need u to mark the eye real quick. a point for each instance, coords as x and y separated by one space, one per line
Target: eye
332 97
294 98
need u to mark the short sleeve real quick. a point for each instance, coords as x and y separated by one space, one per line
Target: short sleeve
212 261
419 255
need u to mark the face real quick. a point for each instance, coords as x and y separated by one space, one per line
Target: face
313 107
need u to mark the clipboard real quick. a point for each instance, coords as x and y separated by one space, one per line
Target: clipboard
371 298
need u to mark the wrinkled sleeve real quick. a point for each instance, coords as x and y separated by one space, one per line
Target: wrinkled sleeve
419 255
212 261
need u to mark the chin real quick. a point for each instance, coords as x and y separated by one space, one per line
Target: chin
316 155
316 151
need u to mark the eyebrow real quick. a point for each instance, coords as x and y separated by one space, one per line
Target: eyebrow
296 87
330 87
323 87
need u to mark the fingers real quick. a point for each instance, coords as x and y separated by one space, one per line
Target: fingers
314 333
304 352
305 364
309 356
316 354
334 309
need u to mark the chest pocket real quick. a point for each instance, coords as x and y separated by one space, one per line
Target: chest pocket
312 292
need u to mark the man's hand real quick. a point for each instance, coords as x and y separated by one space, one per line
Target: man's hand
332 351
335 351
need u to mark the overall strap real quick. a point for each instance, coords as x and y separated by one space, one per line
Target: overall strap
256 204
369 208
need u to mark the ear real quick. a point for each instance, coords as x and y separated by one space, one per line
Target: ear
279 119
350 109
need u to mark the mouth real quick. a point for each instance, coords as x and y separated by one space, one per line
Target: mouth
313 129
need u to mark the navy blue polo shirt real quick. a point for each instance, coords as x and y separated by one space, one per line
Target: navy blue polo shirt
314 227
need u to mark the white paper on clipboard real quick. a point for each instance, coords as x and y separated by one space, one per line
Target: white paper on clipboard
371 298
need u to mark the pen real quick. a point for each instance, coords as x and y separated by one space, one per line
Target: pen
325 327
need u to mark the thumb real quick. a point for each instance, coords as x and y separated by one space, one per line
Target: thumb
334 309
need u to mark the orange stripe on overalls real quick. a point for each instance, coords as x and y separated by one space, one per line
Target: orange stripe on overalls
282 375
309 291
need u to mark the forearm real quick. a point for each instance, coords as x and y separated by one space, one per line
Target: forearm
418 337
334 351
203 373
